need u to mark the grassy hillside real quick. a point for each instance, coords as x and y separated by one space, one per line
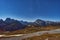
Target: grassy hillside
35 29
32 29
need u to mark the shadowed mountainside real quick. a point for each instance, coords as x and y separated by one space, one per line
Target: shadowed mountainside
10 25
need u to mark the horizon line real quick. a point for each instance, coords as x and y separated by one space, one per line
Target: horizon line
20 19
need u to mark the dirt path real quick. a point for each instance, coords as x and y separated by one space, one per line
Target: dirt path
23 36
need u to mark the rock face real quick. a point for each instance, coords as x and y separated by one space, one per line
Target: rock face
10 25
46 23
40 22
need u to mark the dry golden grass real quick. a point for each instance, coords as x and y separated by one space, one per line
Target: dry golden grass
32 29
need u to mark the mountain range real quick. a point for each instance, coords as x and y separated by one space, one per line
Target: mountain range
12 24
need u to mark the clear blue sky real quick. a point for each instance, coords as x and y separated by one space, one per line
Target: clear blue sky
30 9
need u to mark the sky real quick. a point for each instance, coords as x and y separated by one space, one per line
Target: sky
30 10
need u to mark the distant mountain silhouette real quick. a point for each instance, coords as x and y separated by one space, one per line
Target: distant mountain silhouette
9 20
12 24
46 23
24 22
40 22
